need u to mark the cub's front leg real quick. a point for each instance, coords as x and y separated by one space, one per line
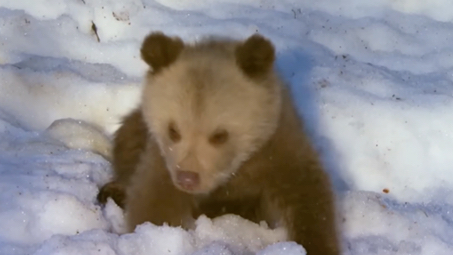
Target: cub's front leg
129 143
152 197
301 199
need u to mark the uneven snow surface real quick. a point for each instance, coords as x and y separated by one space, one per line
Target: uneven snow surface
373 80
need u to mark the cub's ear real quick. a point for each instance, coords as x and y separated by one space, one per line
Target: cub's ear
159 50
255 56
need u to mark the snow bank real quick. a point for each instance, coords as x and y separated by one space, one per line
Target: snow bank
81 135
46 189
373 80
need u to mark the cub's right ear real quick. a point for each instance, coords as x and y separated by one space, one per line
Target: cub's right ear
159 50
255 56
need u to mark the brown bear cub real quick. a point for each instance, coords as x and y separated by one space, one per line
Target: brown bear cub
217 133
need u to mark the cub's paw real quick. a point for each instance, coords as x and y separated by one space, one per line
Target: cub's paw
114 190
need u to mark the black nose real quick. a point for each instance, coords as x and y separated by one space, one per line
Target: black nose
188 179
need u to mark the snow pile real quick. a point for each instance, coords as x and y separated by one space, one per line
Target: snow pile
81 135
373 80
46 189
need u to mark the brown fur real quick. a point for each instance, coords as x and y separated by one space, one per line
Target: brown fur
129 143
274 174
159 51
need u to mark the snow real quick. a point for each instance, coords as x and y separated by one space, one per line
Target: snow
372 79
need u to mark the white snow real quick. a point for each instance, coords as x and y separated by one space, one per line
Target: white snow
373 80
81 135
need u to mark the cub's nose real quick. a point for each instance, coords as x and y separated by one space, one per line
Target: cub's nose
187 179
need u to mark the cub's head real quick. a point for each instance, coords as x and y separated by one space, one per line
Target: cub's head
209 105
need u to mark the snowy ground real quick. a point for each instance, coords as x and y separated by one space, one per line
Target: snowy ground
373 79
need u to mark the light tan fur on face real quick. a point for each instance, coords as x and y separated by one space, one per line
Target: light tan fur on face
202 92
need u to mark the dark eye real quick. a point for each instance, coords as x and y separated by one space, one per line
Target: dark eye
219 137
173 132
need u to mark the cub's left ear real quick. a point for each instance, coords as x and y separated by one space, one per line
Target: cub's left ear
255 56
160 51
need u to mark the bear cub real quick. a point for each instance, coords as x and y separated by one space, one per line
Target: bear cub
217 133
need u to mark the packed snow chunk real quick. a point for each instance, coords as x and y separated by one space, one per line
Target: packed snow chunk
67 215
94 242
115 216
217 248
241 234
79 134
46 189
149 239
283 248
32 218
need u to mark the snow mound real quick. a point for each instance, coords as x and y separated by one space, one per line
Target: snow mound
78 134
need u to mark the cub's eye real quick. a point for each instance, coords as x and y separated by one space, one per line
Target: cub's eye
219 137
173 132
